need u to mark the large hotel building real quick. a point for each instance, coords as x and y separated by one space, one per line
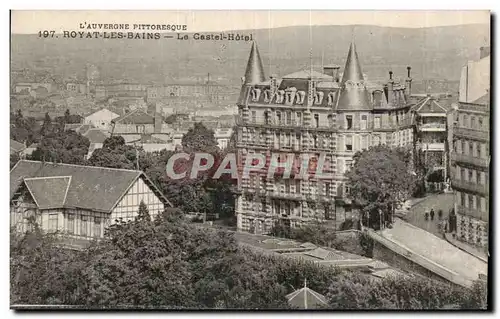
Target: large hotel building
311 112
470 155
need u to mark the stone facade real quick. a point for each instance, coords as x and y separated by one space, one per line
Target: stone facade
470 155
312 113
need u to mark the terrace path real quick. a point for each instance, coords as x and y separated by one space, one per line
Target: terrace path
434 253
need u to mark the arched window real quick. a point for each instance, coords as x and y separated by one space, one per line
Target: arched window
300 97
331 98
255 94
267 95
318 98
280 96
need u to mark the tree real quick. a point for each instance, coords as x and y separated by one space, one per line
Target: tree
67 116
408 292
169 263
23 129
47 125
114 142
115 154
143 212
378 181
200 139
62 147
478 297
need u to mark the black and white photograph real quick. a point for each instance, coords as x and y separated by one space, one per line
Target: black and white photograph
250 160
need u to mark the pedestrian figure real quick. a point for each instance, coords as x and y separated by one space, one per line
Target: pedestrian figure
440 214
432 214
426 216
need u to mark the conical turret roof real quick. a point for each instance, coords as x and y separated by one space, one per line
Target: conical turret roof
352 70
353 95
254 72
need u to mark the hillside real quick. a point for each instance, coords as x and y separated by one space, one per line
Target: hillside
433 53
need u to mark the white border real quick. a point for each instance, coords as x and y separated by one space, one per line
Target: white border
190 4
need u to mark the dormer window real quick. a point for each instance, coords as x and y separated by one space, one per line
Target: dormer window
331 98
377 98
280 96
300 97
267 95
318 98
255 94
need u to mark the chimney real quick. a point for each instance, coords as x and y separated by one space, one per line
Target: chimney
311 91
390 89
408 81
158 119
333 71
274 84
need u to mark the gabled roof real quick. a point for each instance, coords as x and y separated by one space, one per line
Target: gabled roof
136 116
16 147
93 188
306 298
96 135
254 72
104 110
429 105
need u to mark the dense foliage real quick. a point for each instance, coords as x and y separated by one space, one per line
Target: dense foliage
201 194
169 263
54 144
68 147
316 232
409 293
380 178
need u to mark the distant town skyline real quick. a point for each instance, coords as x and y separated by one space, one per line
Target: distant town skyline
31 22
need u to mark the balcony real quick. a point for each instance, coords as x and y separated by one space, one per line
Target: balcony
472 133
462 158
292 125
431 146
469 186
287 196
432 127
474 213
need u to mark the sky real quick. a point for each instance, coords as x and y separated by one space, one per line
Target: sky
31 22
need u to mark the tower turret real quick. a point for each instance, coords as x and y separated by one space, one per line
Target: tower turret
353 95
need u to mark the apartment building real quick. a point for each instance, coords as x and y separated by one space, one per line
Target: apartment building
313 113
470 156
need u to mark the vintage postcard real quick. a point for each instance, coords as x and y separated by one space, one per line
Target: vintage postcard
250 160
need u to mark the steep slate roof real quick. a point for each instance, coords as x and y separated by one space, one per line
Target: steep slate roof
485 99
136 116
16 147
93 188
429 105
306 298
254 72
353 95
